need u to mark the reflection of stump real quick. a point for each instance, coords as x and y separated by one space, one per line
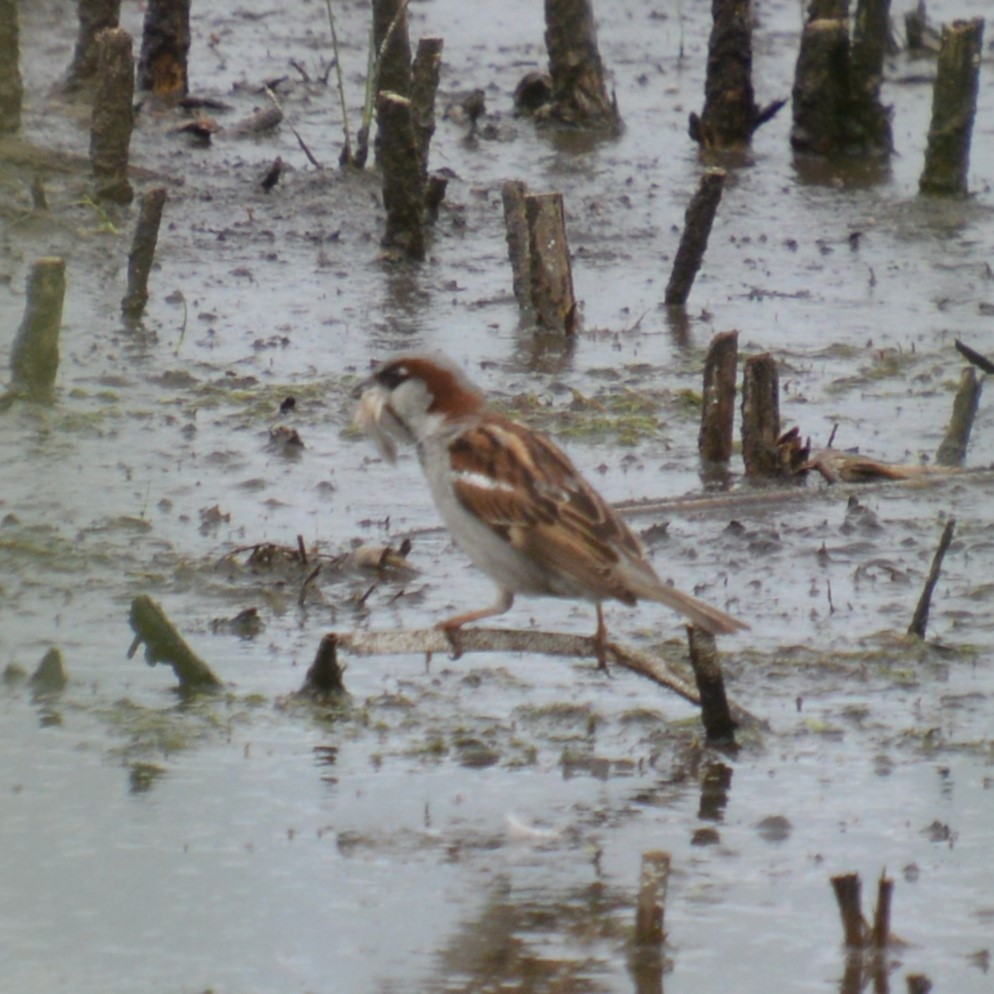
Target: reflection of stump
539 254
34 358
579 93
162 66
730 114
954 105
11 87
113 116
403 182
760 416
714 443
94 17
143 251
694 240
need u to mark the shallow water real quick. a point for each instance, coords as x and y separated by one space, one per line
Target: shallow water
478 825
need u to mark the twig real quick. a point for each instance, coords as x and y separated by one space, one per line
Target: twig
920 620
430 640
296 134
347 151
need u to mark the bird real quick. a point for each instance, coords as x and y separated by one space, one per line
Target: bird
512 499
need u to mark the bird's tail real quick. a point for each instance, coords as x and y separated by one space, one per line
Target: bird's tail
700 613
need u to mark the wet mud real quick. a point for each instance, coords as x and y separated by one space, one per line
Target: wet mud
478 824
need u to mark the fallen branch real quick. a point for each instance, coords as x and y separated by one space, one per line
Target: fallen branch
430 640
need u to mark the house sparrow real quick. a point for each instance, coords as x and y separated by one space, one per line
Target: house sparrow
512 499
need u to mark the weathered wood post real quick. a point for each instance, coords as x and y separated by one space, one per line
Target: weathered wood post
694 240
94 16
113 116
954 106
714 441
11 87
760 416
34 357
392 45
162 66
403 181
143 252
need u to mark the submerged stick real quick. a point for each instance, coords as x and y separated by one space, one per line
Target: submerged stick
162 65
34 357
143 251
920 620
715 713
11 86
954 106
113 116
694 240
164 644
714 441
952 451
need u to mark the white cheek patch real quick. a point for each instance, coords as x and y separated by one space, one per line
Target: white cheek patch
483 482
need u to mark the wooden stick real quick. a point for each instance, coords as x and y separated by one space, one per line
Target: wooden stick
551 287
113 116
880 935
714 441
952 451
954 106
143 251
516 232
11 86
403 182
760 416
694 240
425 75
431 640
847 892
34 356
715 713
920 620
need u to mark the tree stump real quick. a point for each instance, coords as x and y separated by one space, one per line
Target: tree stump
714 441
34 357
761 416
403 182
11 87
162 66
143 252
94 16
113 116
954 106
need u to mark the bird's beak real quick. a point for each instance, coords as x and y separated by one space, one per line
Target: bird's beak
369 417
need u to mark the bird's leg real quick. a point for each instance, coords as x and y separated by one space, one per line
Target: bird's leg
600 640
452 625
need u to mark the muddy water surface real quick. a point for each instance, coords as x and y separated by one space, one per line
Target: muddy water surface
478 825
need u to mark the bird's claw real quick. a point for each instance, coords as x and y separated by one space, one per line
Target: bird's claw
454 635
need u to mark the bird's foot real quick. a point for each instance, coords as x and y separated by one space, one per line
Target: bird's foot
454 634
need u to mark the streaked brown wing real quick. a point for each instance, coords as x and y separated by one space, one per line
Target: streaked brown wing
526 489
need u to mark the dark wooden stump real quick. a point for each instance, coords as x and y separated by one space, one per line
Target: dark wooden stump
325 676
425 76
954 106
162 66
113 116
761 416
730 114
164 644
870 118
403 182
94 16
848 890
143 252
392 45
820 96
579 91
714 441
694 240
11 87
34 356
716 716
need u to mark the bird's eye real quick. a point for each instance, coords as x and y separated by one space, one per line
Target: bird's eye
392 376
